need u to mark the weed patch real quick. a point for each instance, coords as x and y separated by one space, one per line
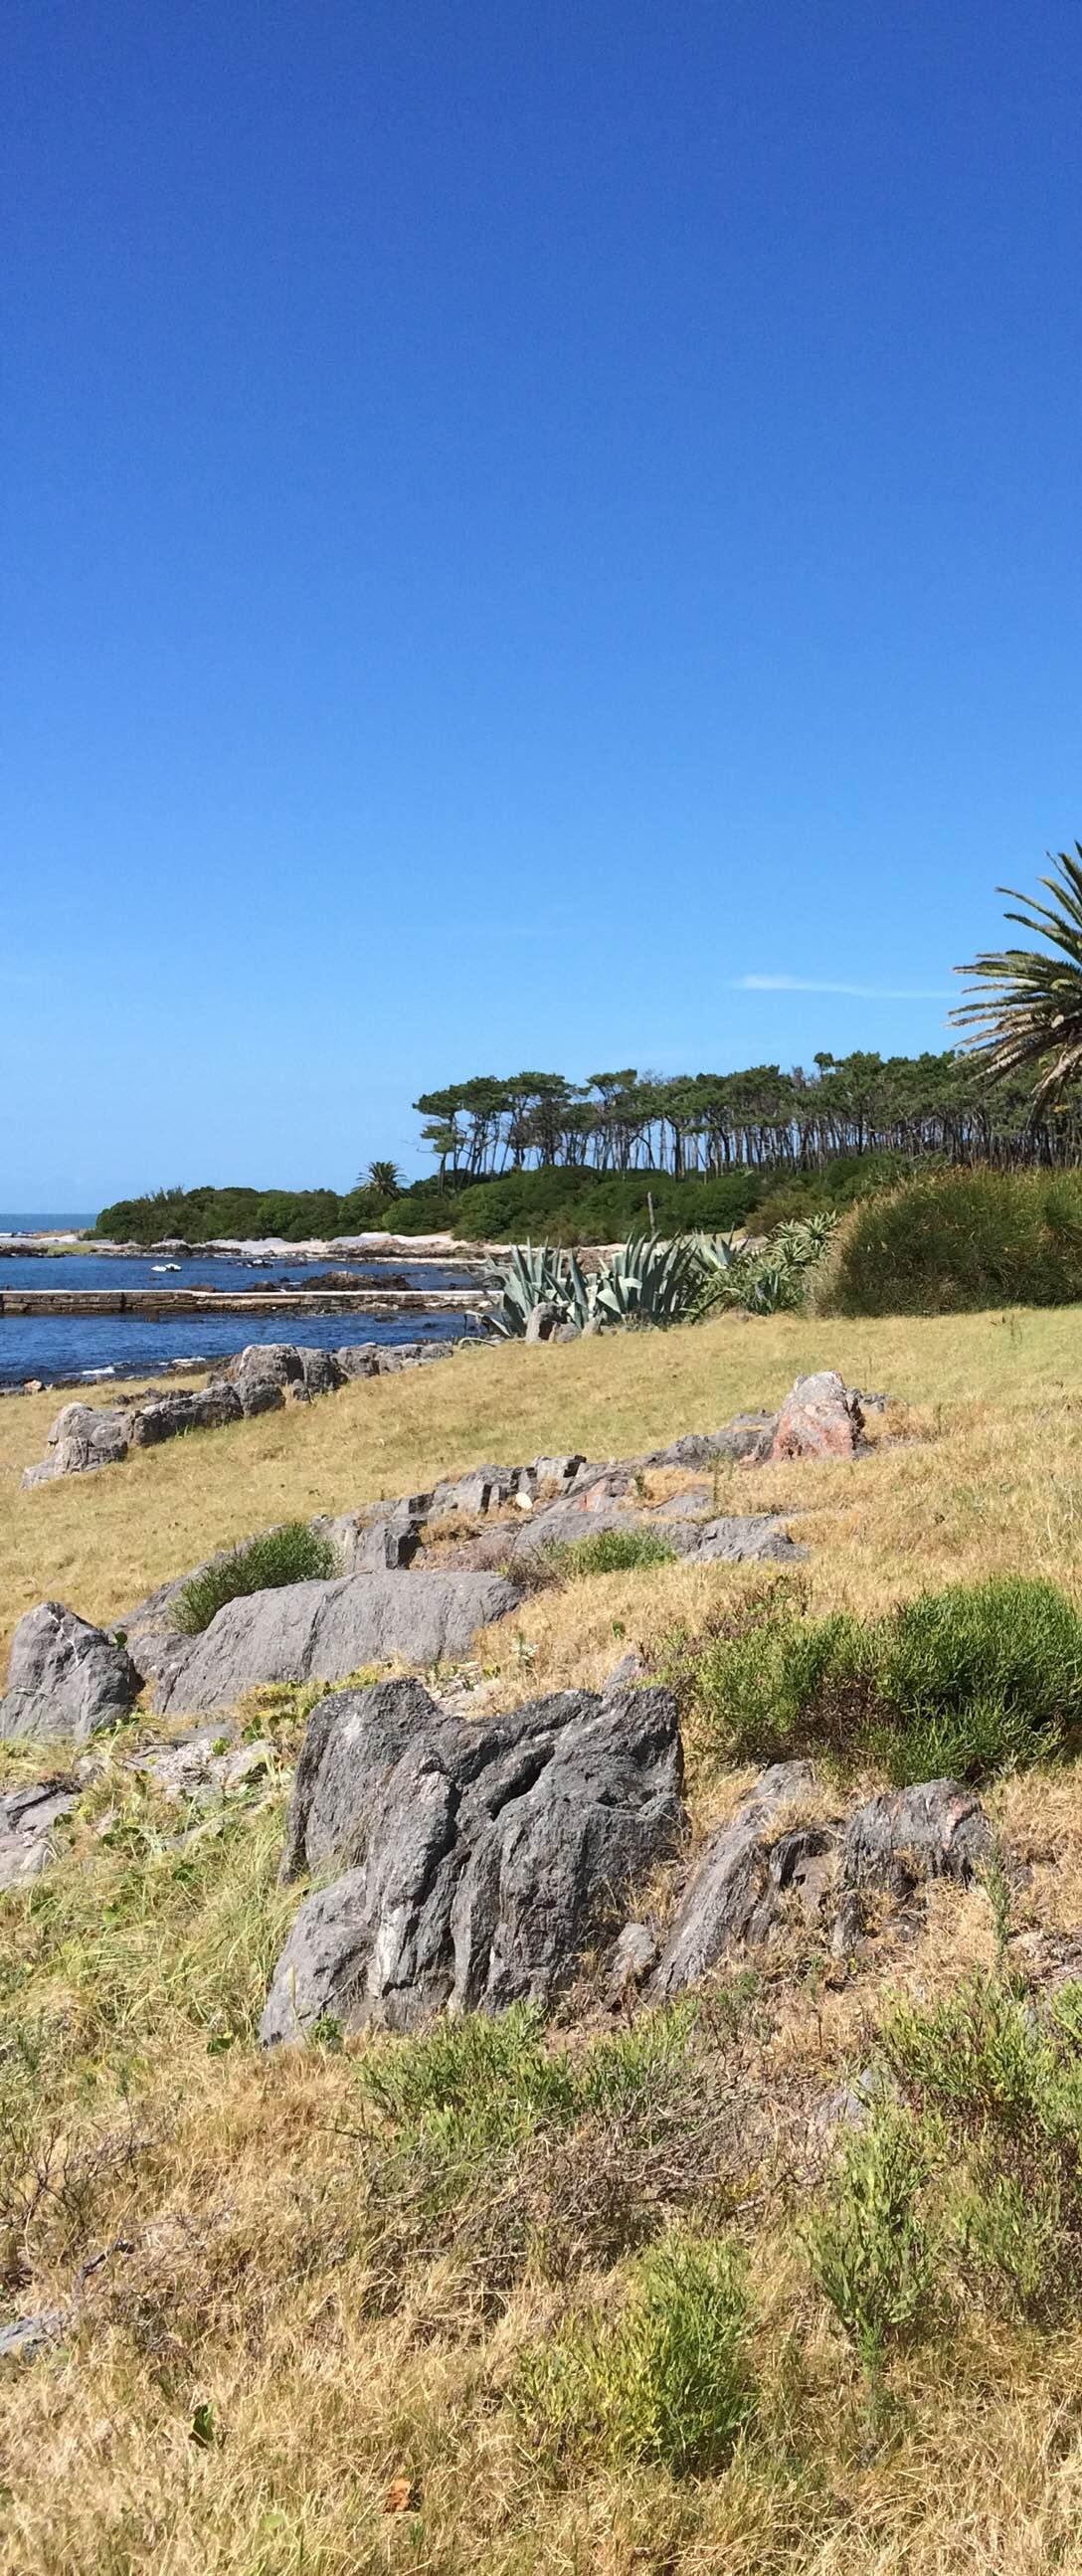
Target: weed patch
292 1554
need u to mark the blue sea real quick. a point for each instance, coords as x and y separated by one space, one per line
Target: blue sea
69 1350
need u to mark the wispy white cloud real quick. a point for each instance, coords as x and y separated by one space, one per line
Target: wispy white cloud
858 992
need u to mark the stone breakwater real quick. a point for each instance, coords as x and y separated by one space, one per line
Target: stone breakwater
159 1304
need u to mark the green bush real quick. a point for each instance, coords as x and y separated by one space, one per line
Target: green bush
964 1682
670 2382
965 2186
957 1242
292 1554
610 1552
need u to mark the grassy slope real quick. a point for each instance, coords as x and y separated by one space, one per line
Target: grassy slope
257 2360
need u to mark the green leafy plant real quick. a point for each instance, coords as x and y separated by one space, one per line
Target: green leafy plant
958 1242
293 1554
1025 1010
964 1682
870 2246
610 1552
670 2382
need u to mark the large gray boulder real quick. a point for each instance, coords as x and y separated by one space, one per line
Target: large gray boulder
479 1859
732 1896
323 1631
203 1408
66 1679
261 1374
82 1438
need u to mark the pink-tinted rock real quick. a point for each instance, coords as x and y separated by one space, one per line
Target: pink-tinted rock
820 1419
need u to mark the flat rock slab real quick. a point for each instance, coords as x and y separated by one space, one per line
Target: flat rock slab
478 1859
66 1679
323 1631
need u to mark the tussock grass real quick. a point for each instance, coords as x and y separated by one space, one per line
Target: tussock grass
292 1554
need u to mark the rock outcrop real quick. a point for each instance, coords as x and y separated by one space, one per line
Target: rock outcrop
66 1679
822 1418
732 1897
322 1631
478 1859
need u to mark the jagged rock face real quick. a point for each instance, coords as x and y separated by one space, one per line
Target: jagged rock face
321 1631
479 1859
66 1679
733 1892
936 1830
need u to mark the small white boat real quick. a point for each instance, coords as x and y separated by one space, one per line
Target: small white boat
165 1265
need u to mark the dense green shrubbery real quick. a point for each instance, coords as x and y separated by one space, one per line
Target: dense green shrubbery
611 1552
954 1242
563 1205
292 1554
965 1682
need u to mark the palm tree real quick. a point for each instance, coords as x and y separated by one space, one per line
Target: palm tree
1030 1012
385 1179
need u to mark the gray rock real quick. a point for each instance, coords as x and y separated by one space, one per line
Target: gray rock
358 1359
732 1897
65 1679
558 1470
82 1438
204 1408
480 1858
323 1631
27 1817
754 1539
543 1322
25 2337
634 1959
937 1829
740 1438
391 1542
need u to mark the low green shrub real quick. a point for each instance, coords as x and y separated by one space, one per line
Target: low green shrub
956 1242
292 1554
965 2186
609 1552
965 1682
670 2382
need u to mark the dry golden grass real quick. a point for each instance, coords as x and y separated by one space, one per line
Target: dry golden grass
244 2386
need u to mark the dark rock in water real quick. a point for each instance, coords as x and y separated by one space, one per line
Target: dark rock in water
322 1631
480 1858
353 1279
733 1894
65 1679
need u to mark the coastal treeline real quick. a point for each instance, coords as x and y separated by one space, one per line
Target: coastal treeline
535 1153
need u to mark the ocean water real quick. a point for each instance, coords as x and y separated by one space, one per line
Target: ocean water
38 1224
68 1350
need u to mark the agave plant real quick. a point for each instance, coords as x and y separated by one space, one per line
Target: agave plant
772 1279
537 1276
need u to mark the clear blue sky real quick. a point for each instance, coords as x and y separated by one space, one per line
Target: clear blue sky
521 517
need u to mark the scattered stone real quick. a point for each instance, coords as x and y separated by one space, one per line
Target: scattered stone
634 1958
198 1409
25 2337
756 1538
27 1817
81 1439
479 1859
321 1631
66 1678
